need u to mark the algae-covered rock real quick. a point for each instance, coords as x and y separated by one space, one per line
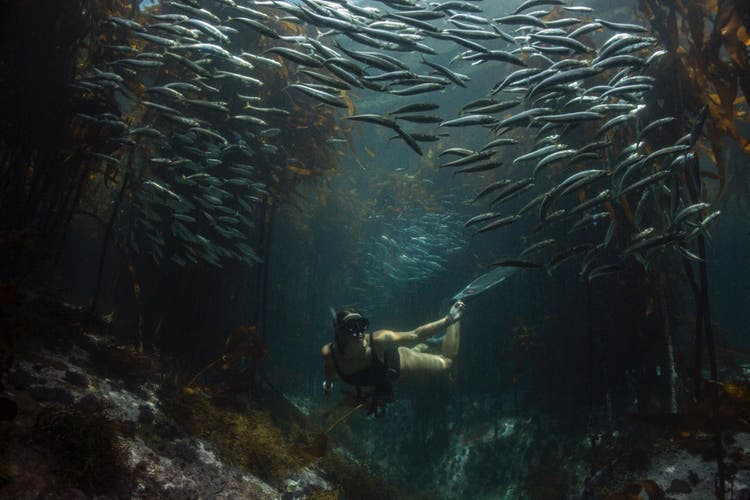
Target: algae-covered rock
248 439
94 420
355 481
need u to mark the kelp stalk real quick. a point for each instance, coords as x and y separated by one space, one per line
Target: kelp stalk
107 233
201 372
703 325
671 372
711 347
344 417
697 379
139 302
262 280
76 192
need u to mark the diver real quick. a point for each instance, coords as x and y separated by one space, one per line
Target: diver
373 362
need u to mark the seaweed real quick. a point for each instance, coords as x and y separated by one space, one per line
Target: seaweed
355 481
250 439
705 73
708 64
272 443
239 362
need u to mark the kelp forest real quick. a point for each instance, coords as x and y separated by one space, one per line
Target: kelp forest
191 189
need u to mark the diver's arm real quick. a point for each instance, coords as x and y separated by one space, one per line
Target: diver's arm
389 338
426 331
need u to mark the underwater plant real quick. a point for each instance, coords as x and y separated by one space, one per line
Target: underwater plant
707 62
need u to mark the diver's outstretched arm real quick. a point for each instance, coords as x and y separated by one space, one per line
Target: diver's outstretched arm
426 331
423 332
419 334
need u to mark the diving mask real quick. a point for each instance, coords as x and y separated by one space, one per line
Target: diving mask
354 324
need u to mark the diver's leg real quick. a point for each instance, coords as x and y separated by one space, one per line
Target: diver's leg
413 361
451 340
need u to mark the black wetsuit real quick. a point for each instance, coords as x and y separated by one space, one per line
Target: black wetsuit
379 374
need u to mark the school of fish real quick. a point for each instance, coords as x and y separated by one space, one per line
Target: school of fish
597 184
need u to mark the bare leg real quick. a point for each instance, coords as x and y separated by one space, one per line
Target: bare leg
451 340
413 361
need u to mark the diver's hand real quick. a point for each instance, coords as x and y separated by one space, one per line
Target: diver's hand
457 310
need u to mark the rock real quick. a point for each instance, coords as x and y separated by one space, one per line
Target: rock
51 395
142 467
68 494
128 428
693 477
8 409
47 362
145 414
75 494
167 430
21 379
679 486
76 378
181 450
89 404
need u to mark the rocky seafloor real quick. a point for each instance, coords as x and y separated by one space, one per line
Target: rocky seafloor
123 436
85 416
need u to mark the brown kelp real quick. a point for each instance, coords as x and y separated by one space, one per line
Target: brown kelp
708 63
712 65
